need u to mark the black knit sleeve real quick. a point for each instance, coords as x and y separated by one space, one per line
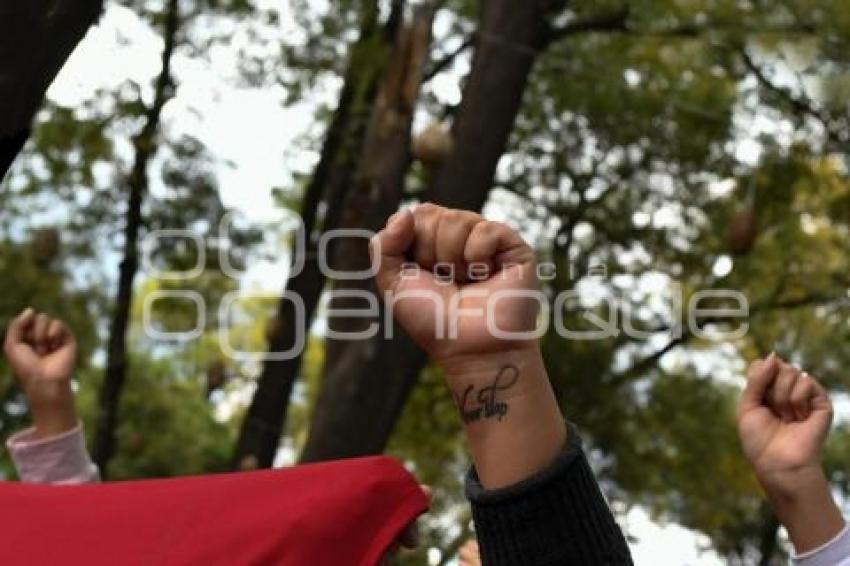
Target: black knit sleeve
9 148
556 518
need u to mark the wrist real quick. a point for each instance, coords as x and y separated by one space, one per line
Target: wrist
462 369
52 408
787 487
803 503
493 382
55 424
513 424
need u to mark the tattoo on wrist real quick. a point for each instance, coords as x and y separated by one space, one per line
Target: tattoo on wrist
485 404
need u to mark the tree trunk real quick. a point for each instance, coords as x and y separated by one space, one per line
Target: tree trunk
511 37
768 543
36 38
369 381
144 145
384 164
263 425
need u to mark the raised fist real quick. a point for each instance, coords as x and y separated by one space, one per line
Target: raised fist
41 352
459 284
465 289
783 420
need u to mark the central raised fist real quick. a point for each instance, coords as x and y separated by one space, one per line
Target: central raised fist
459 284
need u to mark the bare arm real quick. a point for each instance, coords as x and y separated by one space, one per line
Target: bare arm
465 289
42 352
783 420
500 385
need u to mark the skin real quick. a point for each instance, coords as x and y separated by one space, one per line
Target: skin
783 418
407 540
41 353
469 554
531 432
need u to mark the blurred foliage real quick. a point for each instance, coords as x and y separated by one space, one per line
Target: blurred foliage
429 437
167 427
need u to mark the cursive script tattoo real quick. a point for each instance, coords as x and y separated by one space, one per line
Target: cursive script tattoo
488 405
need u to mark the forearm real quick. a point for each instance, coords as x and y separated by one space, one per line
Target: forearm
512 420
534 498
53 409
804 504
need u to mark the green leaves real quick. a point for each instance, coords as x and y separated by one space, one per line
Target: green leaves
167 427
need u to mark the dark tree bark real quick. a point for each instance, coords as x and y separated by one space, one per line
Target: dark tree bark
334 175
36 38
368 381
384 164
511 37
768 544
144 145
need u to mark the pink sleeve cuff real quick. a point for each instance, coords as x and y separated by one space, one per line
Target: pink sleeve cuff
833 553
60 459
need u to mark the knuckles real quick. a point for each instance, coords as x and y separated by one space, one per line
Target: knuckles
426 209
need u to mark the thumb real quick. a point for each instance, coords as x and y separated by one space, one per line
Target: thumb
388 247
760 376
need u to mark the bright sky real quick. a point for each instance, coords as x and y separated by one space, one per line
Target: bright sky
250 129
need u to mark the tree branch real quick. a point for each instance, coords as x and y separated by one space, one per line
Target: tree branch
800 105
644 365
445 62
614 22
618 23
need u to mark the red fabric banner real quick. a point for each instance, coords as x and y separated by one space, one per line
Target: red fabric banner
336 514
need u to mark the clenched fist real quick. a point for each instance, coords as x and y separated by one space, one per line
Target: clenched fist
42 352
783 420
461 285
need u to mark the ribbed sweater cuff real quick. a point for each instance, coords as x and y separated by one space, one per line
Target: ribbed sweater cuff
557 517
60 459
